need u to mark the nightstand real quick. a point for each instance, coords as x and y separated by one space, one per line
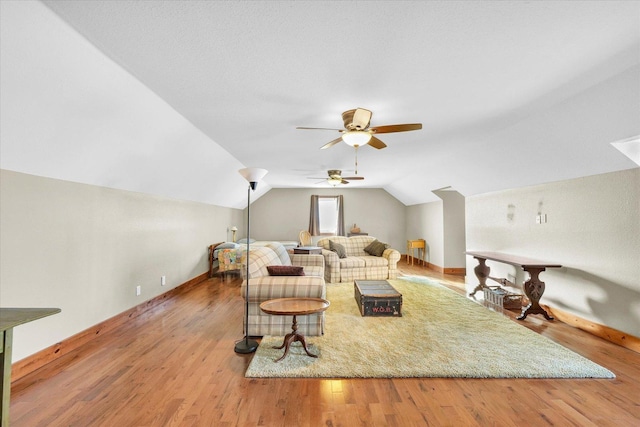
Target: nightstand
421 246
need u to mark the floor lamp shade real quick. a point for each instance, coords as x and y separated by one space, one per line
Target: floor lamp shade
253 175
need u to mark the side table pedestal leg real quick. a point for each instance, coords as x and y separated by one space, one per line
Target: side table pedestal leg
291 338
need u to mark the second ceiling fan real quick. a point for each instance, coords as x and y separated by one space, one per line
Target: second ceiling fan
357 131
335 178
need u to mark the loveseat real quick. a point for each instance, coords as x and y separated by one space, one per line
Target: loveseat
263 287
358 264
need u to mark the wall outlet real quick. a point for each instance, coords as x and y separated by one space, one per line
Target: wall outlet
163 280
138 290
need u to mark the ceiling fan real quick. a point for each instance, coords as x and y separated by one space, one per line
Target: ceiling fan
335 177
357 132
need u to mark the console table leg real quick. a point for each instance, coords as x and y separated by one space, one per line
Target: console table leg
533 289
482 273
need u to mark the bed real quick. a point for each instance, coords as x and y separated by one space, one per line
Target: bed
225 256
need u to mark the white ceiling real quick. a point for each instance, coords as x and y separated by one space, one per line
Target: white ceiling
163 97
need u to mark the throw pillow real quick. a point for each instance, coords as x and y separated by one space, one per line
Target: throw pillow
337 248
285 270
227 245
376 248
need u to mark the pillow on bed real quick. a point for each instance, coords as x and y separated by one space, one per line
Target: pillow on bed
244 240
285 270
227 245
376 248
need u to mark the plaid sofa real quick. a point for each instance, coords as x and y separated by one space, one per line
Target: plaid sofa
263 287
358 265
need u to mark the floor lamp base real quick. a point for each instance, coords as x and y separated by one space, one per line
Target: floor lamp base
245 346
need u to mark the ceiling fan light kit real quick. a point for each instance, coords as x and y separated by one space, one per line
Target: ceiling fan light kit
356 138
357 132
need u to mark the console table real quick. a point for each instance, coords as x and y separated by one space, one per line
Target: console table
9 318
533 287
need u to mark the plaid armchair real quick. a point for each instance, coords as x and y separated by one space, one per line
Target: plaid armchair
263 287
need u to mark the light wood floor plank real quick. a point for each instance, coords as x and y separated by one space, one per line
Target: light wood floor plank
175 366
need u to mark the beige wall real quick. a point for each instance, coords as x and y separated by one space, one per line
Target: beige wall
84 249
592 229
283 212
426 221
454 243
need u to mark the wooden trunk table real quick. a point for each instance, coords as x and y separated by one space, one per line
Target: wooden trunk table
377 298
294 307
533 287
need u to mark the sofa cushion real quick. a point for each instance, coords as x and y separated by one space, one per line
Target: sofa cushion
376 248
375 261
260 258
285 270
281 251
337 248
314 270
352 262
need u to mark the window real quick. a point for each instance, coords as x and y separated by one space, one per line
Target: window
326 218
328 215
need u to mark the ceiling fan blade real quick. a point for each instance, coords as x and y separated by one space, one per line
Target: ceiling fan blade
308 128
397 128
376 143
353 178
344 182
361 118
331 143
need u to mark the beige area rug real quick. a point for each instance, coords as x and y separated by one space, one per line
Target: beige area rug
440 334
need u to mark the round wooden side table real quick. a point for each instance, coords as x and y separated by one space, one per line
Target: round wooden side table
294 307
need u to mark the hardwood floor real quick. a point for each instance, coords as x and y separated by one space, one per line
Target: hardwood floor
175 366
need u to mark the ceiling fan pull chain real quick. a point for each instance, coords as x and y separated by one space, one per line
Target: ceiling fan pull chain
356 160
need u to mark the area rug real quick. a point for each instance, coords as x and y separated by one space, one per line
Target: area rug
440 334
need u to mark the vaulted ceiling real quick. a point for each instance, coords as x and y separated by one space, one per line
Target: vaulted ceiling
173 97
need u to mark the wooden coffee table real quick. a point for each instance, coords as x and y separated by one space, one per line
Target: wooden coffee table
294 307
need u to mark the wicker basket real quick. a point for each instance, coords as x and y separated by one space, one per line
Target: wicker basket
502 298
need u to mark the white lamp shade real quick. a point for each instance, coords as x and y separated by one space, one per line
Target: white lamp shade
356 138
253 174
234 228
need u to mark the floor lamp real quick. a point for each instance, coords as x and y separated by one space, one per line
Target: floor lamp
253 175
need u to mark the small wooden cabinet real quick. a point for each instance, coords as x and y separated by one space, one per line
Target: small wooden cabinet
421 246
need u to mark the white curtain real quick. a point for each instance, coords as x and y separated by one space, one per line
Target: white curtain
314 215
